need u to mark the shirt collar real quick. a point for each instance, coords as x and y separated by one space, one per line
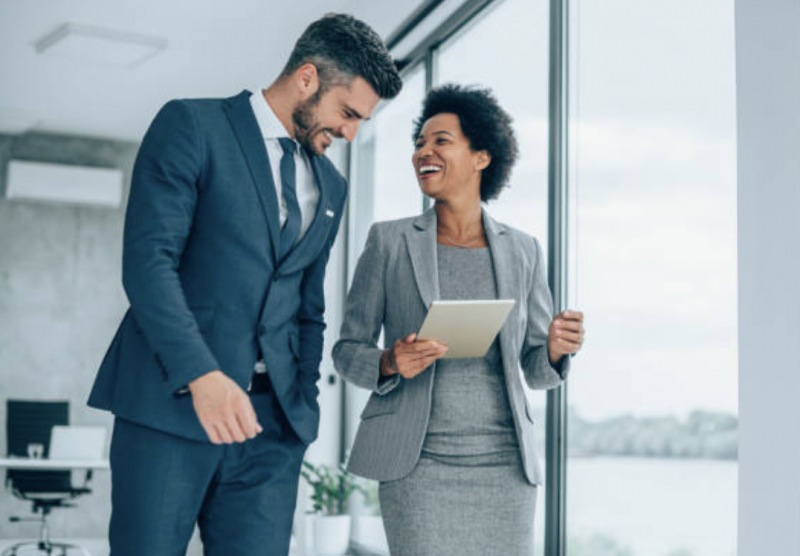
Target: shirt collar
269 124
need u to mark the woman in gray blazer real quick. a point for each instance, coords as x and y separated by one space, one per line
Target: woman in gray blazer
451 440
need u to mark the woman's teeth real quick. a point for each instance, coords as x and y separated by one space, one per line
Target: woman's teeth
428 169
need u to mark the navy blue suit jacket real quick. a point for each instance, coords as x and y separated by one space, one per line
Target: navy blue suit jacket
201 273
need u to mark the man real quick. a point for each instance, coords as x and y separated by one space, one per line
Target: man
212 373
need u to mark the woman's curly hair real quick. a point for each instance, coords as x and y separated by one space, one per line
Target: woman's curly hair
484 123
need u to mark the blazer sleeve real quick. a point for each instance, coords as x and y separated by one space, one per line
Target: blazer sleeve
534 358
158 222
356 355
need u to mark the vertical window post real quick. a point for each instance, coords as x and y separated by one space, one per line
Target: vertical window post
556 425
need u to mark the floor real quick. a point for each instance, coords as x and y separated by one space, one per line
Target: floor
99 547
96 547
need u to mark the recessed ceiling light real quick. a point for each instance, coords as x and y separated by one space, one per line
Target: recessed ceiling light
82 42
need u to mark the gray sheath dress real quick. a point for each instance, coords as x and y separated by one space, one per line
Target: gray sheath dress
468 495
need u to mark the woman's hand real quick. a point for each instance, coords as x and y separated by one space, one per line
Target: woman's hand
409 356
565 336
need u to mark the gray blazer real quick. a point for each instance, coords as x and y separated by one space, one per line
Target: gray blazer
395 281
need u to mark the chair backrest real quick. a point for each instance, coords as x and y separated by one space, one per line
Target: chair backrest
30 422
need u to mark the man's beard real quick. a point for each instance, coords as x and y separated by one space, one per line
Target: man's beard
305 123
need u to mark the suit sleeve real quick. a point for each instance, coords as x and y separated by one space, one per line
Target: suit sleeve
534 357
158 222
356 355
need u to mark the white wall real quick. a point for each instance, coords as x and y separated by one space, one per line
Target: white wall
61 300
768 108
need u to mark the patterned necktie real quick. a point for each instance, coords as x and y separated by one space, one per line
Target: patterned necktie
291 227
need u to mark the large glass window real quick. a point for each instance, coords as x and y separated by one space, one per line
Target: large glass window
385 182
506 50
652 467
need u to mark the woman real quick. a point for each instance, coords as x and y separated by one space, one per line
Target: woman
451 440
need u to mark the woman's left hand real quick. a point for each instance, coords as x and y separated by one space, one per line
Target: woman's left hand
565 336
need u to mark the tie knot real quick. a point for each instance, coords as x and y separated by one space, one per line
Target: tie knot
287 145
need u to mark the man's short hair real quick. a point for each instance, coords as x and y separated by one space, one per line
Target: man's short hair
342 48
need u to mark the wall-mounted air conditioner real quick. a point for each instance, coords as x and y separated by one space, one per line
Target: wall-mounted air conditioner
60 183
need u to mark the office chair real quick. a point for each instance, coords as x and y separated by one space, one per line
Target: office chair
30 422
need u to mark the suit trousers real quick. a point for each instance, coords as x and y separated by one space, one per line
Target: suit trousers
242 496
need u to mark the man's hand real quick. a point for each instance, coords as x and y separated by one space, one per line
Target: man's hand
565 336
223 408
409 356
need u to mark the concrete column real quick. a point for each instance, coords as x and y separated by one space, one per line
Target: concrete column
768 110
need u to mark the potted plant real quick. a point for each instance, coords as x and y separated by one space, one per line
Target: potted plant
331 486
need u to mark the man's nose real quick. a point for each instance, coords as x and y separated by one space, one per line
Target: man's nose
349 131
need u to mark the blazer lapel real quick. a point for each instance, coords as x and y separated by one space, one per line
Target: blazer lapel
505 269
421 242
248 134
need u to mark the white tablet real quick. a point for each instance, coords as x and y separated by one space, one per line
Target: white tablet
467 327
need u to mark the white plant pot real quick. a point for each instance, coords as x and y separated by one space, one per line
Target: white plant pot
331 535
368 531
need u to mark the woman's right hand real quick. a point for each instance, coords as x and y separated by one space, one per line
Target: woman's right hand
409 356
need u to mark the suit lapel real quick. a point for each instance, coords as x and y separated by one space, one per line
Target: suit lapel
314 238
248 134
421 243
505 269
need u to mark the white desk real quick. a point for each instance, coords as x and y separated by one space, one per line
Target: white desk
44 464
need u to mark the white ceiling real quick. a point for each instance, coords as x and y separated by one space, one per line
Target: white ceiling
215 49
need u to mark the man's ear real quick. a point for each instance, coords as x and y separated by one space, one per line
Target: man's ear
306 79
483 160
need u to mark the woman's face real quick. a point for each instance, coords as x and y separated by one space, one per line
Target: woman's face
444 162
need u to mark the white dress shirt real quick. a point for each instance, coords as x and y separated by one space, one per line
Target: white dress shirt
307 192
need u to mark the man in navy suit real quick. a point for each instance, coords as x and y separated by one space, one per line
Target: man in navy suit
212 374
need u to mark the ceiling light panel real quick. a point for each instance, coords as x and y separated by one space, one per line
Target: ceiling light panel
95 44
